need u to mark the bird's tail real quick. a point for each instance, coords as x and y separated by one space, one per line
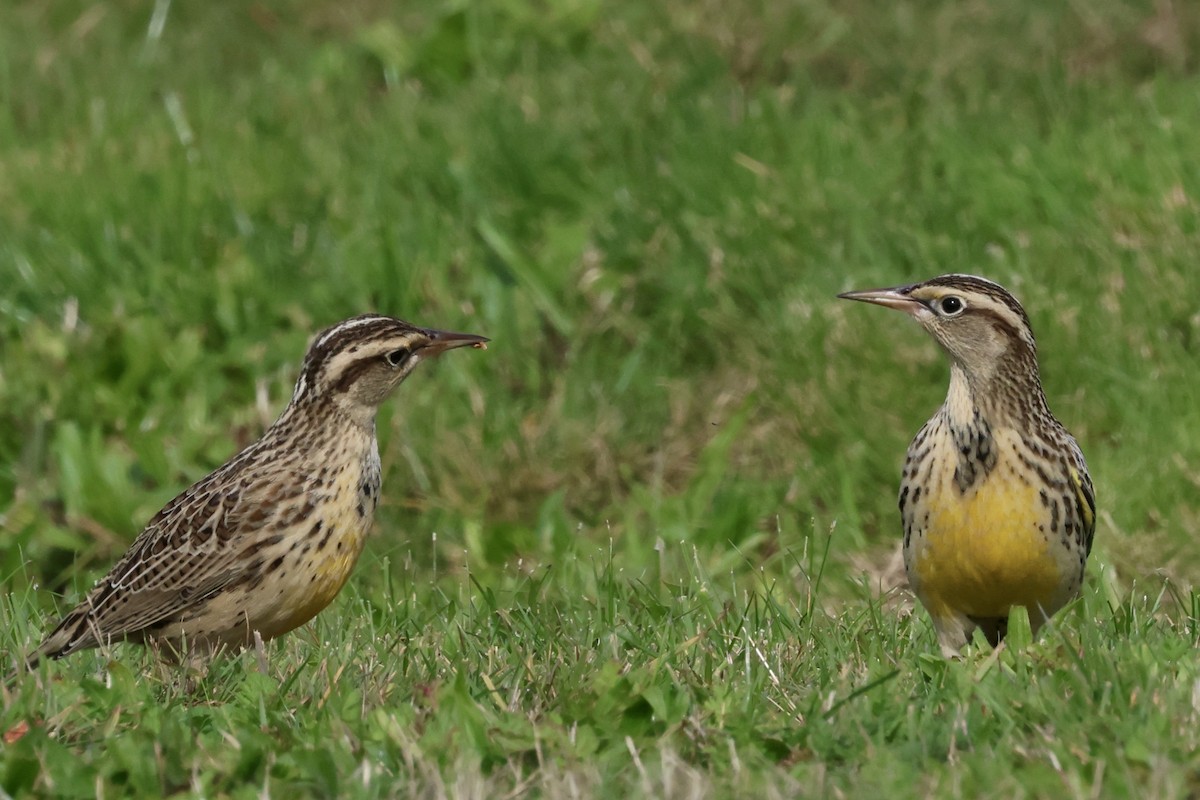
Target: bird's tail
31 662
69 635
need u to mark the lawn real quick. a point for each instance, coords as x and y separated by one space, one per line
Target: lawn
644 545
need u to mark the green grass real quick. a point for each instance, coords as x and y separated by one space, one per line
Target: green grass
642 545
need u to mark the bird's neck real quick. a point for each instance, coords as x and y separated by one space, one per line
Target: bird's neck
325 417
1004 396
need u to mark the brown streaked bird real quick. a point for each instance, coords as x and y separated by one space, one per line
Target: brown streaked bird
266 541
996 500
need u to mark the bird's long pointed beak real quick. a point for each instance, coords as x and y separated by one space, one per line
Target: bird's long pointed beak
896 298
441 341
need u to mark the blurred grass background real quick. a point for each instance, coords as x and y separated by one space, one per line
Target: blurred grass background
649 208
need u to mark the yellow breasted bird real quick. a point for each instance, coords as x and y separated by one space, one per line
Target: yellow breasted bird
267 540
997 504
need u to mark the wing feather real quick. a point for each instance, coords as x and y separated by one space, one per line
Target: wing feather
197 545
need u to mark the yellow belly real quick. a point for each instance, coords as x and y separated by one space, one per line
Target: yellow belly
317 565
983 552
315 586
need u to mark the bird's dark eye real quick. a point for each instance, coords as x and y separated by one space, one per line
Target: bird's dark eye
951 305
397 357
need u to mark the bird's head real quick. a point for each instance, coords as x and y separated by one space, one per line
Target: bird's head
357 363
976 321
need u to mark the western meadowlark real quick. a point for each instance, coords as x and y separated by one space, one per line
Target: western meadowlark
998 507
266 541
